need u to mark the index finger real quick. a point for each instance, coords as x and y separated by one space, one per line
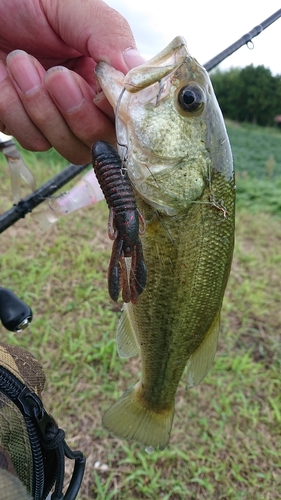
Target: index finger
94 29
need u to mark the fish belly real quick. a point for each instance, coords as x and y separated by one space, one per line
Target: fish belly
176 320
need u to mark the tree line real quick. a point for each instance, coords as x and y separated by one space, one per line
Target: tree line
251 94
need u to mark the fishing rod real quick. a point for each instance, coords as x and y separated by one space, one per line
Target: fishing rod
41 194
26 205
244 40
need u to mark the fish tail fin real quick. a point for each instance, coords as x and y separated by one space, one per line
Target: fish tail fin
129 418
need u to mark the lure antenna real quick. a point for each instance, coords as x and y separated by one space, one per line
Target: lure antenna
245 39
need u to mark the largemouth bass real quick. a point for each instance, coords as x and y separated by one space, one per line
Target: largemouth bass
174 145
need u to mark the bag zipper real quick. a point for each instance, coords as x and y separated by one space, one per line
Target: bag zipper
24 399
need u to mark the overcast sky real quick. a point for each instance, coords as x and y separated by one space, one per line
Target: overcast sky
209 26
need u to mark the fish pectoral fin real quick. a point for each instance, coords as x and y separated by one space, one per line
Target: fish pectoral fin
129 418
201 360
127 345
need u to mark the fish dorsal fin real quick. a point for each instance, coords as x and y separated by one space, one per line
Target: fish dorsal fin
202 358
127 345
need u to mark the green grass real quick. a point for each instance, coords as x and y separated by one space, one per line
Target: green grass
256 150
226 437
257 158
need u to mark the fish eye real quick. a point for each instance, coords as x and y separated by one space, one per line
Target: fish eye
190 98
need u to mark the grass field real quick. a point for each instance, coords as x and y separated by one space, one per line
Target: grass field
226 437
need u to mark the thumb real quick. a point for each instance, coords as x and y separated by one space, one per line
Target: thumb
94 29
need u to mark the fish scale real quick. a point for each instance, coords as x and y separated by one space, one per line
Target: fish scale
203 278
179 161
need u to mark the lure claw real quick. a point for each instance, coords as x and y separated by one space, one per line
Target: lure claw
133 285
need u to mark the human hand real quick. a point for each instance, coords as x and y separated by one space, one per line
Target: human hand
48 52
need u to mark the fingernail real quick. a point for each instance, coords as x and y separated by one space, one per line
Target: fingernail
23 71
132 58
3 71
64 89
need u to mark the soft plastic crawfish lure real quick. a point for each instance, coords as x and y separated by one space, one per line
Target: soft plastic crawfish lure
124 226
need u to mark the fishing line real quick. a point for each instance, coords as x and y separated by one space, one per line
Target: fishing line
117 129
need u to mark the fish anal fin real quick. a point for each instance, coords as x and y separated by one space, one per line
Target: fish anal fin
129 418
127 345
201 360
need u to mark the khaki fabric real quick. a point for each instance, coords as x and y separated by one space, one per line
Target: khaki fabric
16 463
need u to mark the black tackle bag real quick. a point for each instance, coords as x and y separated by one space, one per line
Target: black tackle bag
32 447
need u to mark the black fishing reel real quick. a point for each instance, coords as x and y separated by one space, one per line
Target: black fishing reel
15 314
